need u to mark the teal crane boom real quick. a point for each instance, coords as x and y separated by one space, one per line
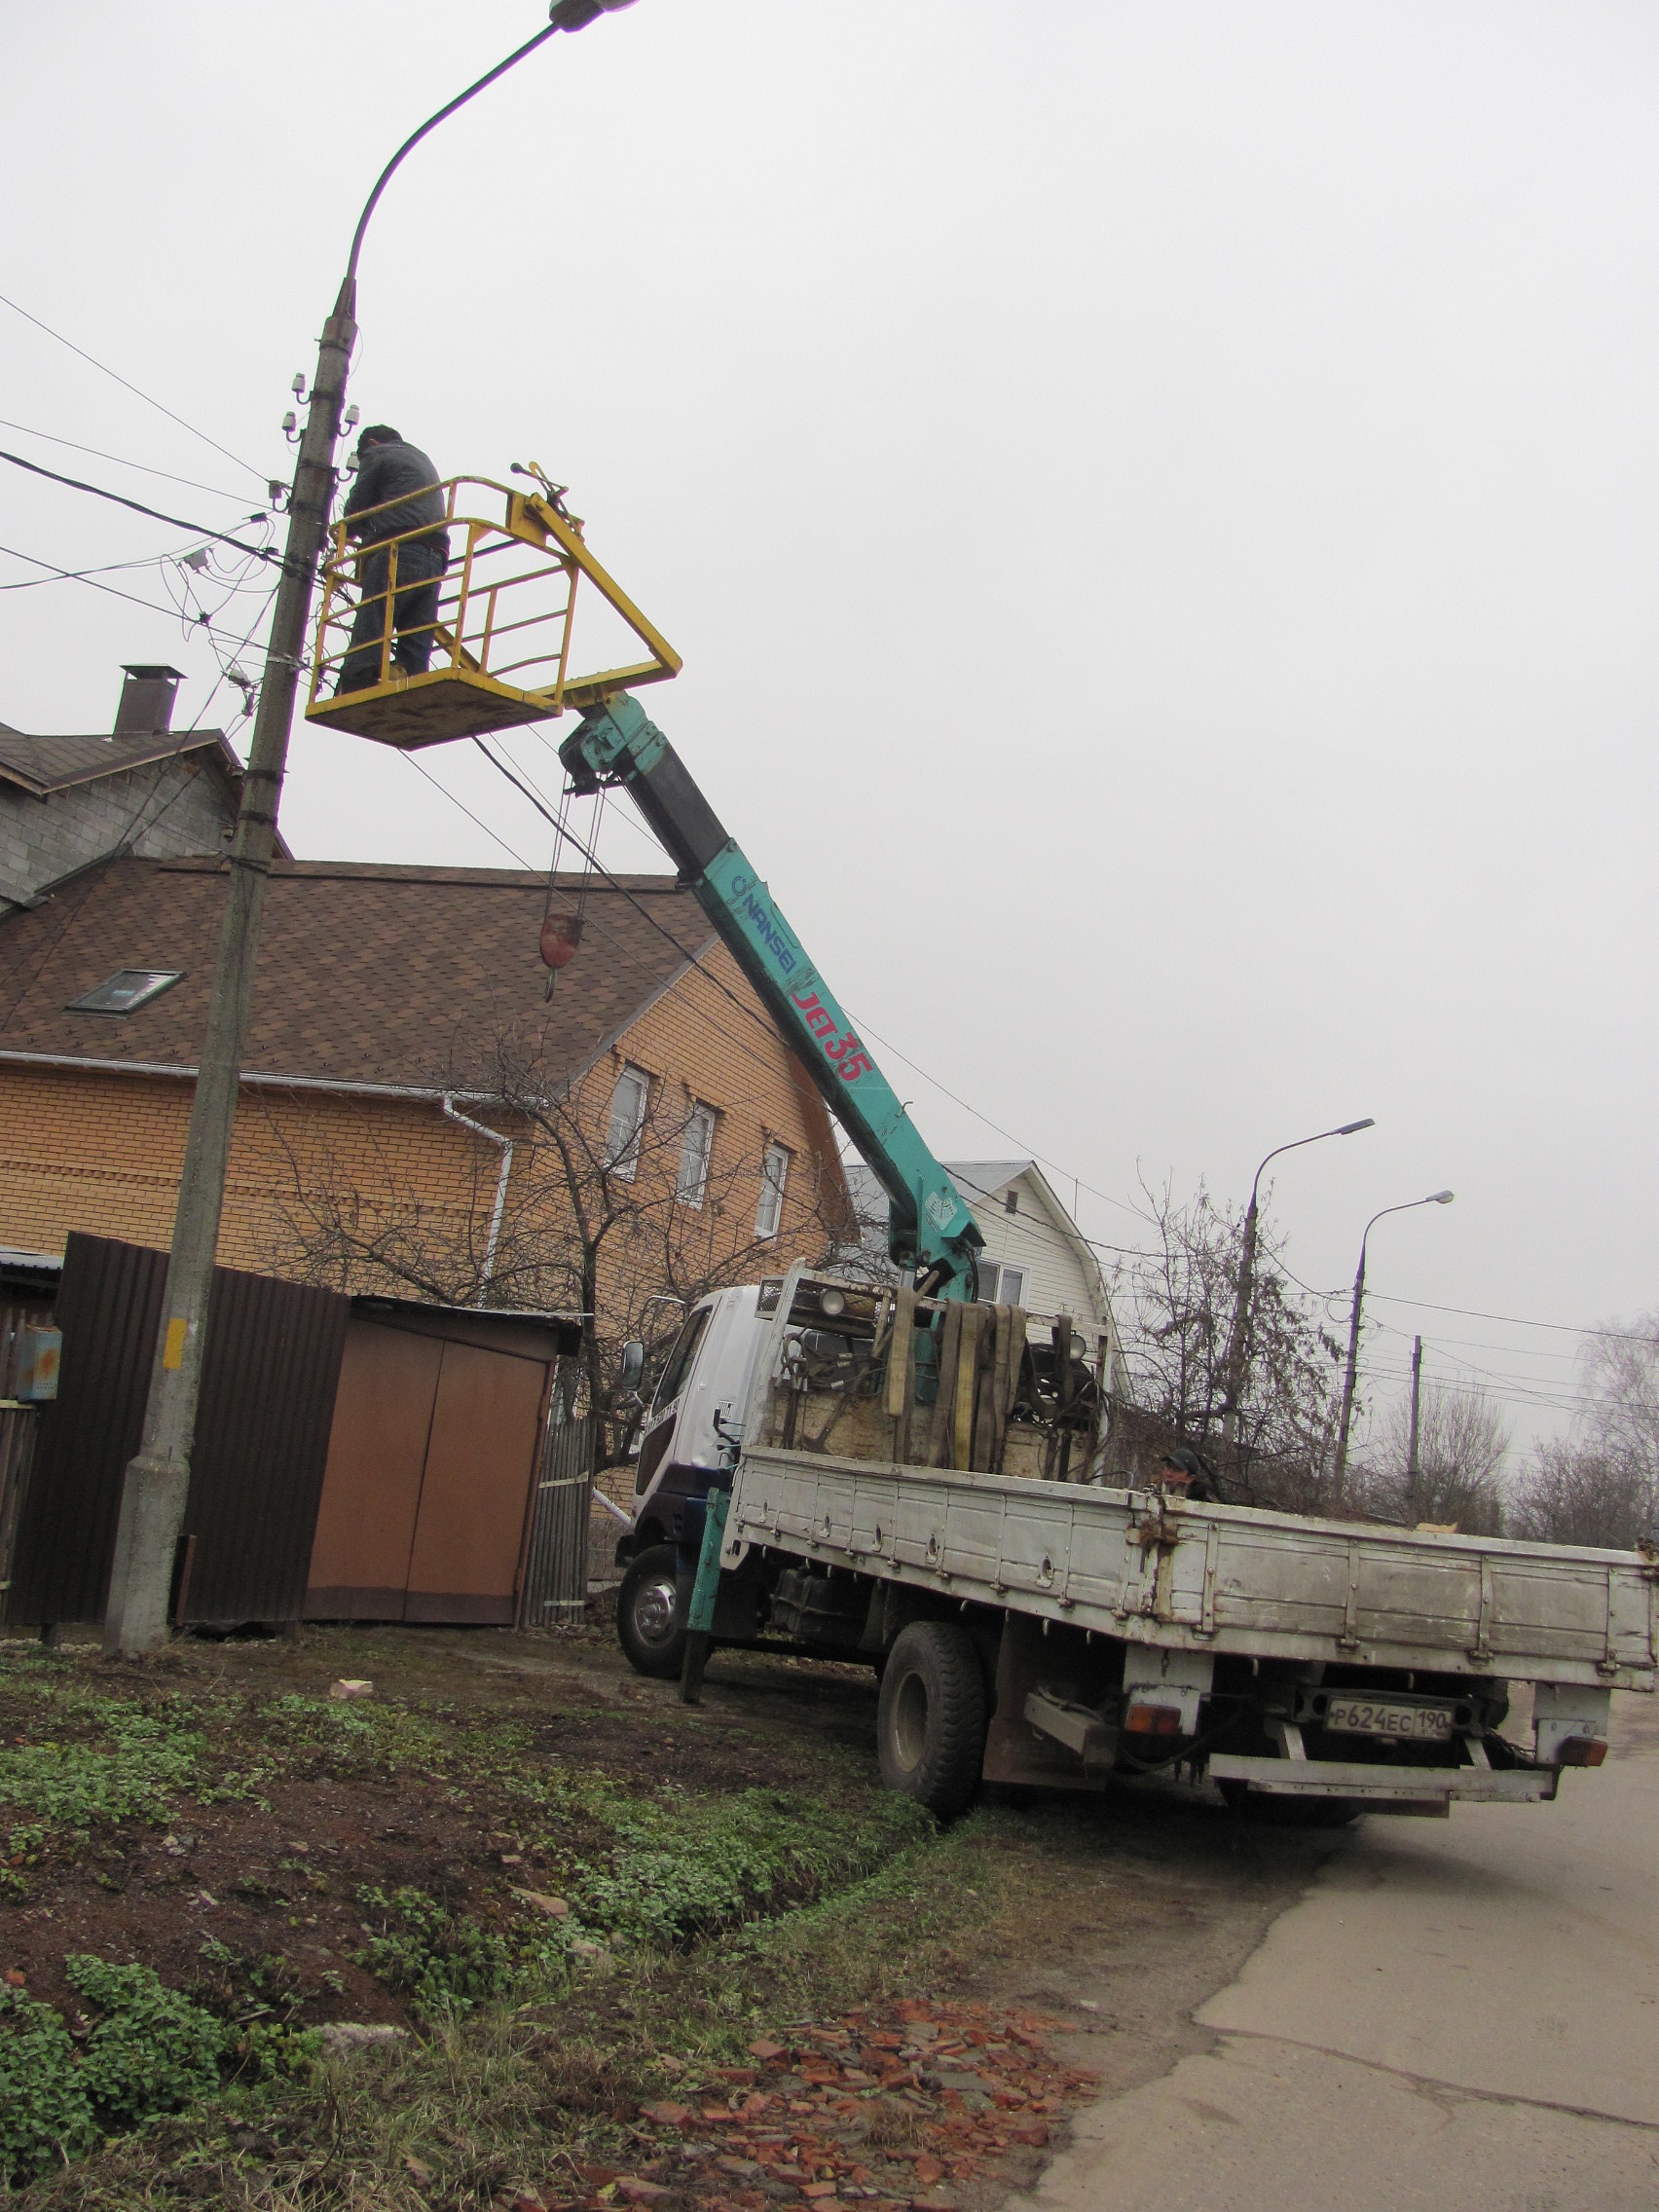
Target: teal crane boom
929 1224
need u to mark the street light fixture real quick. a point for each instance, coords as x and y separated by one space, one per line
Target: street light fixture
1233 1365
156 1486
1434 1199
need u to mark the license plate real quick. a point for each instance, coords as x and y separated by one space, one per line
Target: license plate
1407 1723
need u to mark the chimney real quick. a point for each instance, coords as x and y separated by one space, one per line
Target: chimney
146 699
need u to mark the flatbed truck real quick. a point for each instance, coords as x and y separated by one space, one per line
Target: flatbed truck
899 1474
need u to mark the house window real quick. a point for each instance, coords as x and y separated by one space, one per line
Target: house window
1012 1291
127 988
695 1146
774 1173
999 1286
628 1103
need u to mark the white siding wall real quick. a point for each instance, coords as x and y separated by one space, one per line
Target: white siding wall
1031 1238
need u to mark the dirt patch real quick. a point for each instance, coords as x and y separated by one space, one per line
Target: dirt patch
728 1882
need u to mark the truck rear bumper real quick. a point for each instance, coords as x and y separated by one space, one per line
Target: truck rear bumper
1361 1780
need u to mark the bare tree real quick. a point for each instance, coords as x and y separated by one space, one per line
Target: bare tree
1600 1485
623 1225
1462 1445
1175 1305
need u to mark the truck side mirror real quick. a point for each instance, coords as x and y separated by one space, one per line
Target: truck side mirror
633 1363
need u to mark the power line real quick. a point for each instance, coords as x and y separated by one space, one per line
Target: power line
1030 1150
225 667
625 952
1516 1320
865 1030
135 830
121 461
494 835
117 499
104 368
73 577
78 575
1324 1297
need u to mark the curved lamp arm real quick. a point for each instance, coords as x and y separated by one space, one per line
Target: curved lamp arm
564 16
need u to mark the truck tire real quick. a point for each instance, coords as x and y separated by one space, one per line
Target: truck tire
931 1716
650 1612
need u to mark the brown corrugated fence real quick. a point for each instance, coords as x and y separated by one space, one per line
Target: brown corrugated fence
269 1379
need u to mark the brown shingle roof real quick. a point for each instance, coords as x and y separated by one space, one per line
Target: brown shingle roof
41 765
367 976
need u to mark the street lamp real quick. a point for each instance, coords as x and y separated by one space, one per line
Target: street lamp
155 1486
1232 1366
1434 1199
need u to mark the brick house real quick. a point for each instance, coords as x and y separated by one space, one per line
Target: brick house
417 1116
142 788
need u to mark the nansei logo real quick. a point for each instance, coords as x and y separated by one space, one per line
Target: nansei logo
768 931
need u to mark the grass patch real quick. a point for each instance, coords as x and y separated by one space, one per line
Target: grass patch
149 2050
701 1914
444 1964
135 1773
681 1870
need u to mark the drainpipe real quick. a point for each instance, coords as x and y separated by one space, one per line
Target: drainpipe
491 1136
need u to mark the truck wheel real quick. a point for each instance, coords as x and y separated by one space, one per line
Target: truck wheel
651 1613
931 1718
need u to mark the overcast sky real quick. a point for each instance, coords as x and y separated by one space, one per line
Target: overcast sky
1156 503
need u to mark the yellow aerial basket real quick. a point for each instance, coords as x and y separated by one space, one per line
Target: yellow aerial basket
486 643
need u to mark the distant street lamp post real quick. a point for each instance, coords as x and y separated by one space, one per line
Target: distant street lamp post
156 1486
1232 1366
1434 1199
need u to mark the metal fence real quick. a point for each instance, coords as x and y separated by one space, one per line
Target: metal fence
268 1389
556 1571
18 1429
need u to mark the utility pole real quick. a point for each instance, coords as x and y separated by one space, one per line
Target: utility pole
1352 1374
1238 1337
1412 1470
158 1480
156 1487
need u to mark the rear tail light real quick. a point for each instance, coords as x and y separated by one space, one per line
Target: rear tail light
1583 1751
1153 1720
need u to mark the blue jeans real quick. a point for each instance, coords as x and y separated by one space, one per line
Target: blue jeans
414 610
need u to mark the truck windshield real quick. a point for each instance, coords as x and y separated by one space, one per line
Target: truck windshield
679 1359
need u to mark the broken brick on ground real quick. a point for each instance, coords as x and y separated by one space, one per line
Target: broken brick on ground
935 2106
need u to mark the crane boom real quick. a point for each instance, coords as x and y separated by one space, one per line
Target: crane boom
929 1224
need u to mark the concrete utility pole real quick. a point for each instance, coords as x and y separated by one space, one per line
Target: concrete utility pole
1434 1199
157 1484
1412 1470
158 1480
1233 1363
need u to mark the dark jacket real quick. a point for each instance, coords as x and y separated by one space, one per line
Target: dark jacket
387 472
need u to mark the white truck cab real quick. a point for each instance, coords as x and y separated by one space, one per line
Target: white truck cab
690 1436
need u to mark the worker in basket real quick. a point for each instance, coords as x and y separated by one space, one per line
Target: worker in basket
396 490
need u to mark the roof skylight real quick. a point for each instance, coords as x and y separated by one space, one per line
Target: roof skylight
126 990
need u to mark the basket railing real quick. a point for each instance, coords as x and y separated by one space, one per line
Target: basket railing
506 604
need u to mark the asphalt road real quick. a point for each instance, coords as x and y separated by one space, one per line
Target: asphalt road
1461 2015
